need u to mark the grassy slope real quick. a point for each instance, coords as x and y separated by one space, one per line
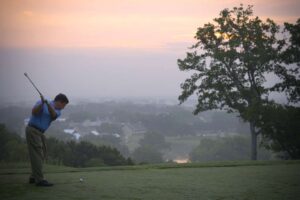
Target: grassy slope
215 180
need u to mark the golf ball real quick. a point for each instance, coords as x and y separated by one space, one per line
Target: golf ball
81 179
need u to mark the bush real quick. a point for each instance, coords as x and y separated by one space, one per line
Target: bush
14 149
228 148
12 146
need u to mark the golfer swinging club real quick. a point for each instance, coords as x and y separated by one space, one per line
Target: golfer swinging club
43 113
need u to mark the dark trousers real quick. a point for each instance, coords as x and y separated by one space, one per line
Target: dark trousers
37 152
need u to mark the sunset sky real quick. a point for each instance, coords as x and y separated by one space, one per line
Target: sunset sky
139 39
120 23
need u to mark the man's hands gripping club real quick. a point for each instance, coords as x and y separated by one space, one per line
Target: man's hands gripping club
36 110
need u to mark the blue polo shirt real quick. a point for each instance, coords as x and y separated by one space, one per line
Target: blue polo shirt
43 120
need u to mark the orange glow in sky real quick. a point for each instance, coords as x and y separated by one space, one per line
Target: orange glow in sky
120 23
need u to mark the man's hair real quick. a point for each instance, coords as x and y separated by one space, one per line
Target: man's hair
62 98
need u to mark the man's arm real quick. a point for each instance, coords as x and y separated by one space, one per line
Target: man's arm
51 111
37 109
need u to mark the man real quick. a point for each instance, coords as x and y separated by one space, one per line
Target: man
43 113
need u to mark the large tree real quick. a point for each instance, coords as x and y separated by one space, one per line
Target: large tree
280 124
290 76
230 62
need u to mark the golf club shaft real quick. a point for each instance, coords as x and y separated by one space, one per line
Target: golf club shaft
33 84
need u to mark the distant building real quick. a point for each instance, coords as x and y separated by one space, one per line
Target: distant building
61 119
73 132
94 132
116 135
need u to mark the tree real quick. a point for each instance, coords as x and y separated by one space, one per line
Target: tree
151 148
83 154
228 148
12 146
230 61
281 129
56 150
290 77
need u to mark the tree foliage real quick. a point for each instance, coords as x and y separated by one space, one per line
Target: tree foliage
290 77
151 148
228 148
13 148
281 130
83 154
230 62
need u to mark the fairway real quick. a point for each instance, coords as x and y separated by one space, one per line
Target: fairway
219 180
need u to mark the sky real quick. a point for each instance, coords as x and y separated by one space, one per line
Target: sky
117 48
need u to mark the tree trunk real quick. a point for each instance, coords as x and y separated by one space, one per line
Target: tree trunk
253 142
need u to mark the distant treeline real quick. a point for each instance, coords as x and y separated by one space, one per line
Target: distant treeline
169 120
13 148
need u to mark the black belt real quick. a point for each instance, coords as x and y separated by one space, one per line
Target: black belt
35 127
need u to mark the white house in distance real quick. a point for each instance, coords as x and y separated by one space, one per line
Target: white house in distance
72 132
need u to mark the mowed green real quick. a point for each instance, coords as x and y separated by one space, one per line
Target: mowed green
216 180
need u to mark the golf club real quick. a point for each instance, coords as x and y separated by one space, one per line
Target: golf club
25 74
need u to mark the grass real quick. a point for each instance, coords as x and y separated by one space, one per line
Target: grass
246 180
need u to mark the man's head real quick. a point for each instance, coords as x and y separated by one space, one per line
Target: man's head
61 101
